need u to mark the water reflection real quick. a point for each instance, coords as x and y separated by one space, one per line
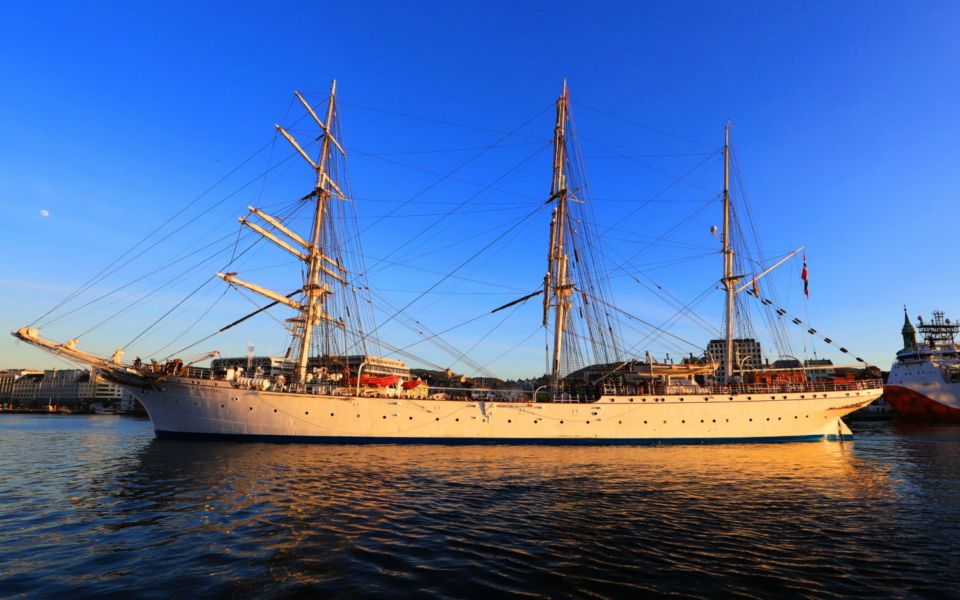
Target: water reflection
258 520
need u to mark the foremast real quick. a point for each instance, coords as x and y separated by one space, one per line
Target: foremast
322 270
558 289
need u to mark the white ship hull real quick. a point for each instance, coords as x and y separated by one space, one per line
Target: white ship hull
200 409
924 381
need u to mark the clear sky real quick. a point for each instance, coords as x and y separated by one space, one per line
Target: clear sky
115 115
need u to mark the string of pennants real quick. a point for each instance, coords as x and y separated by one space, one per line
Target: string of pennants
810 330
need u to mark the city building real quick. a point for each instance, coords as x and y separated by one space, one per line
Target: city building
93 389
59 386
25 389
746 355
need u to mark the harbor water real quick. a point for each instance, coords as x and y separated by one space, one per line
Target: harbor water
96 507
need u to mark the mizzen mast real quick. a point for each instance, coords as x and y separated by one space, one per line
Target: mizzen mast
557 287
729 278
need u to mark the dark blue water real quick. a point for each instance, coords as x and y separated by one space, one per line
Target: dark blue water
95 507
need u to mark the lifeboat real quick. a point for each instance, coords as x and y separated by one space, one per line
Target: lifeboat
385 381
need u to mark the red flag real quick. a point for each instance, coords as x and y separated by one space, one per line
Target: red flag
803 276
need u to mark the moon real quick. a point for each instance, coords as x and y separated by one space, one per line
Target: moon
45 212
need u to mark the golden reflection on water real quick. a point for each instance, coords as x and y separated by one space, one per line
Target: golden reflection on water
109 513
827 470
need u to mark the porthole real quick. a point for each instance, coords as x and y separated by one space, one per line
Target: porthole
714 420
437 419
384 416
535 421
778 418
751 420
251 408
701 420
643 400
331 414
749 397
509 421
411 418
619 422
681 399
683 421
795 417
631 399
307 413
644 422
457 420
768 418
588 422
561 422
221 406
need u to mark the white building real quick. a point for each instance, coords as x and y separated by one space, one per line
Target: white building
94 389
59 386
25 389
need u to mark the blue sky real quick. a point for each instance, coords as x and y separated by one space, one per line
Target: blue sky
113 116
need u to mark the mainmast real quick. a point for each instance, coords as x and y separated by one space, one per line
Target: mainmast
729 279
557 288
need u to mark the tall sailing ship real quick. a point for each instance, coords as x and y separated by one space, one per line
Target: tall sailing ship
924 381
330 389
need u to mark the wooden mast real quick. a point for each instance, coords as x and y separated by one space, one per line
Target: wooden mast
313 255
729 279
315 290
559 289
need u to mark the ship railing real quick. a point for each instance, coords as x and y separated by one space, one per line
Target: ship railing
740 388
808 386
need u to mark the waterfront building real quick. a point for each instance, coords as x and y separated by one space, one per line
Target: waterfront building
60 386
8 378
25 389
6 385
92 388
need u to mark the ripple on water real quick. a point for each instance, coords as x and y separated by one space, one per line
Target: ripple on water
115 513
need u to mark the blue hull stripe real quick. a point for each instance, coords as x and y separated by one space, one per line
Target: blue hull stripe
453 441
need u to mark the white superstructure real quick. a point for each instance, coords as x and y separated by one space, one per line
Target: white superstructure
924 381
